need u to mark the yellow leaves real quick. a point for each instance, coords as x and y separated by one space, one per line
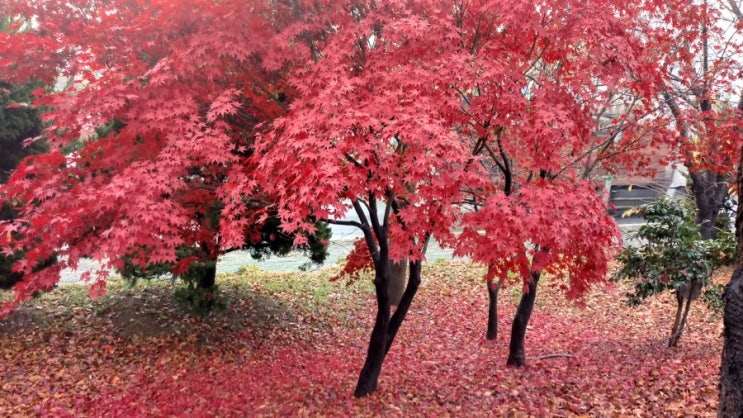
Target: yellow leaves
631 211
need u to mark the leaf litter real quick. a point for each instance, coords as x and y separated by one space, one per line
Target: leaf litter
293 344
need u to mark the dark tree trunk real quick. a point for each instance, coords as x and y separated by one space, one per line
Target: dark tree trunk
516 351
204 271
208 275
414 281
493 288
684 296
731 369
378 341
385 326
710 190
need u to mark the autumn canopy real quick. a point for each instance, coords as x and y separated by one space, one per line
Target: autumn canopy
179 128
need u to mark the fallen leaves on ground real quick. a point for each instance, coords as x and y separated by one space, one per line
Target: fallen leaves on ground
293 344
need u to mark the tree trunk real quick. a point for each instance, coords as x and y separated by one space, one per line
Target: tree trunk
492 332
731 369
385 327
204 271
710 190
378 341
678 326
516 352
414 281
398 273
207 275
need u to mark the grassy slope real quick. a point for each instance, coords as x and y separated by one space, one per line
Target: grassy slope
292 344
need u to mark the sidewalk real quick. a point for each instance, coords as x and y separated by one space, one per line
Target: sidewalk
339 248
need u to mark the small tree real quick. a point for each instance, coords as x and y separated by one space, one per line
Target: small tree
672 256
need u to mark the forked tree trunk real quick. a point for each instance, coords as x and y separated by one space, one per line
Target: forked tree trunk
731 369
493 288
516 351
385 326
684 296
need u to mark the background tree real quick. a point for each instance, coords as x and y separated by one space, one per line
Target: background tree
18 121
700 72
551 107
673 256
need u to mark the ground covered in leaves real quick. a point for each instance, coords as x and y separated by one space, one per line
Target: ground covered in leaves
292 345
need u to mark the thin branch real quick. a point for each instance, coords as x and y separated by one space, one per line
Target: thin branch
368 237
346 223
549 356
379 231
352 160
735 9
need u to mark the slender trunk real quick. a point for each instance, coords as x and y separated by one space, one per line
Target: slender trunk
516 352
378 341
679 326
679 311
684 296
493 288
731 369
207 276
205 270
414 281
386 326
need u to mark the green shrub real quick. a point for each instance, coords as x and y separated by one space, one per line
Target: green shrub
672 253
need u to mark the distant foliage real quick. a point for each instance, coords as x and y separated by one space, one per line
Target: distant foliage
672 252
18 121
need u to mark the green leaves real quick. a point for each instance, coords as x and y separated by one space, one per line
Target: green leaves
671 252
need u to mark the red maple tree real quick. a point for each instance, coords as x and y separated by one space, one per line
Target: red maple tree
401 94
558 99
151 121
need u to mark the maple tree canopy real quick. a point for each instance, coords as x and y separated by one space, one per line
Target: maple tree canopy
150 122
306 107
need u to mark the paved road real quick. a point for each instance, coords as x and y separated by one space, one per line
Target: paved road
340 246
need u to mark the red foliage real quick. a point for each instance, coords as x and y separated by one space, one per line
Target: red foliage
546 231
387 102
317 107
182 86
357 261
